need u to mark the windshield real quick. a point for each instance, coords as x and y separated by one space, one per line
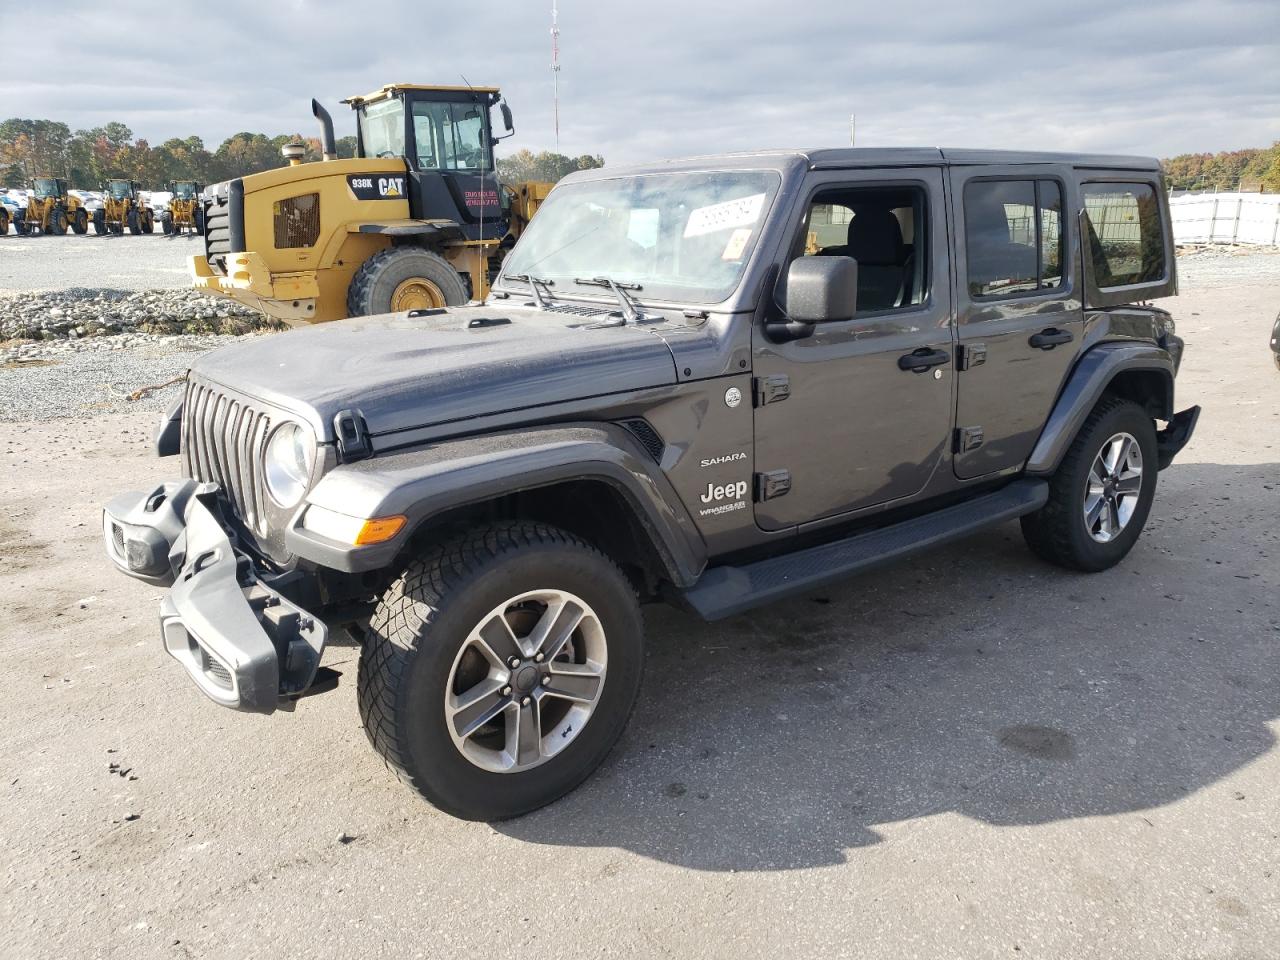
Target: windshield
46 187
382 129
450 136
184 191
681 237
119 189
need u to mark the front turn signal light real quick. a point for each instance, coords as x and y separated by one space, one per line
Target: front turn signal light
357 531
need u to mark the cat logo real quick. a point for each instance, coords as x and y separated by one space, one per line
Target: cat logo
371 186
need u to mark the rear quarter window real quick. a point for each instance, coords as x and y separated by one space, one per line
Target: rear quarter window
1126 237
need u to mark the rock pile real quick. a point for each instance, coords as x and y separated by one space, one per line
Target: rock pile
82 312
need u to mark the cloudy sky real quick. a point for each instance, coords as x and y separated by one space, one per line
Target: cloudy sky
664 78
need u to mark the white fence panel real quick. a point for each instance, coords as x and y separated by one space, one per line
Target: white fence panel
1252 218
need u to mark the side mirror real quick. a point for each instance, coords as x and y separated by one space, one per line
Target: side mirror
506 117
822 289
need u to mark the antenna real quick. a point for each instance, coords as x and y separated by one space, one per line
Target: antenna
555 66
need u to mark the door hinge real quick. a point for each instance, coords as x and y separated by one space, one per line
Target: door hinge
772 484
970 355
967 438
352 435
774 388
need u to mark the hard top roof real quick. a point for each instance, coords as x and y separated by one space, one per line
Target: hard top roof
841 158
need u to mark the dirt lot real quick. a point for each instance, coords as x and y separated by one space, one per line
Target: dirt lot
970 755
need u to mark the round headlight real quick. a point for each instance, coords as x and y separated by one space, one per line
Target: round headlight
290 455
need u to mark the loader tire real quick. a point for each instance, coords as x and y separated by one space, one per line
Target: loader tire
100 222
4 222
135 227
147 220
404 278
80 222
166 224
56 225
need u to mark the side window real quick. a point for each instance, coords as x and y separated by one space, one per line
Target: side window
1125 236
883 228
1013 236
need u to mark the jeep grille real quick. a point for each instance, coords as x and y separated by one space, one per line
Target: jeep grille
224 441
297 221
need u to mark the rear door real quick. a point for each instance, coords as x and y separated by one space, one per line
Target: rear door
1019 313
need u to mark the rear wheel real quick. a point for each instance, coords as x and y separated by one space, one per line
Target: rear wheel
404 278
80 221
500 669
1101 494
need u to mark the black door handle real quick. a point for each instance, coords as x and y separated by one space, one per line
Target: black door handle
921 360
1048 339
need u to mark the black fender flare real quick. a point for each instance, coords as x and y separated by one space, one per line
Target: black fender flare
438 232
1091 375
424 482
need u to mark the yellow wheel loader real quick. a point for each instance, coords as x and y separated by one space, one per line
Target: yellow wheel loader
51 209
184 213
122 207
416 220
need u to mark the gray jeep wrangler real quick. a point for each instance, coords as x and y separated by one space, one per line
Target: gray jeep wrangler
716 383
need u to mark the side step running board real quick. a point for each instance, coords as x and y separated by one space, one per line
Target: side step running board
724 591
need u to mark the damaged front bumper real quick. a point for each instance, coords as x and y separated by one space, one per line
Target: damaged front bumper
242 642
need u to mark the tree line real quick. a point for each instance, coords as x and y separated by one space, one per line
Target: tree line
86 158
1256 168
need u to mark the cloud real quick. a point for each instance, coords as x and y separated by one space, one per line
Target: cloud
668 78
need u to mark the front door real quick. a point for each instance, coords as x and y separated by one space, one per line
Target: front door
868 405
1019 316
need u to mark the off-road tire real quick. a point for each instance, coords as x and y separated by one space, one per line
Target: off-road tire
80 222
147 221
376 280
166 224
427 614
135 225
100 222
1057 531
4 222
199 221
56 225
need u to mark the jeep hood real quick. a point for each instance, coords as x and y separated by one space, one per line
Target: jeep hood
401 371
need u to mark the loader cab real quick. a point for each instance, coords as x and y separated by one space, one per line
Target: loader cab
120 189
445 137
46 187
184 189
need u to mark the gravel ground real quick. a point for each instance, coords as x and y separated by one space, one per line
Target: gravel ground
968 755
85 378
154 262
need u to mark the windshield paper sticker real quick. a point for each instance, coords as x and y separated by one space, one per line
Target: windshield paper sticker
737 243
724 216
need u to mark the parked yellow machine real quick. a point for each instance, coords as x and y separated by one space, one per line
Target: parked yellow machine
51 209
122 207
417 220
184 213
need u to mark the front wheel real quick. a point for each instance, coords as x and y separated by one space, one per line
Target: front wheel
166 224
56 225
404 278
500 669
135 224
80 222
100 222
1101 494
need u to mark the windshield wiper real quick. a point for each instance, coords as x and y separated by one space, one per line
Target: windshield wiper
629 312
533 286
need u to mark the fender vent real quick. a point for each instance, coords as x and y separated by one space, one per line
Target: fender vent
297 221
648 437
